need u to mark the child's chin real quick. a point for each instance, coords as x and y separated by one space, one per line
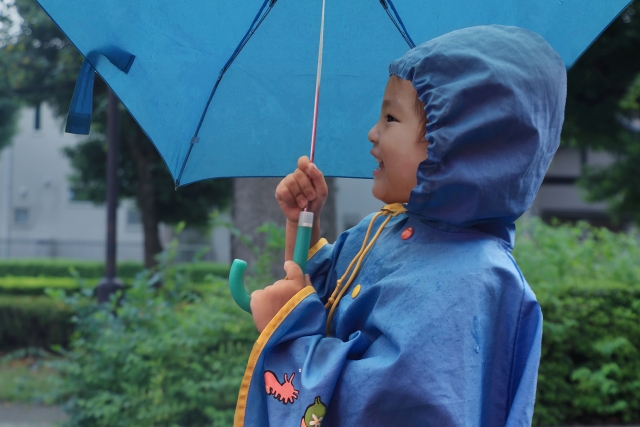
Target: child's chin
378 192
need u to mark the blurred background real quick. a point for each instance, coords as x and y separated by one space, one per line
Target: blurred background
175 352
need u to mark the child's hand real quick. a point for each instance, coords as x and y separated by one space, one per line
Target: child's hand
305 186
267 302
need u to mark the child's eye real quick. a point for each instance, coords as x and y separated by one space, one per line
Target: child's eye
390 118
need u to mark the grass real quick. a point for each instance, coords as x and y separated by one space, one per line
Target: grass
26 380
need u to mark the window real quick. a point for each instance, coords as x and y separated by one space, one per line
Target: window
134 217
21 216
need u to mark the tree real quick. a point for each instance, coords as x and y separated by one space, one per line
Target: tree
8 113
43 65
8 105
602 113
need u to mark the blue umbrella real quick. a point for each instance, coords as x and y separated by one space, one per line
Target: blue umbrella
226 89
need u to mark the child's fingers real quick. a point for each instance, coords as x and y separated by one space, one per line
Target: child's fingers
300 175
284 196
318 181
294 272
303 163
297 193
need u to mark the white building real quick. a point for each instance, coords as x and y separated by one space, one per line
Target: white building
37 214
39 218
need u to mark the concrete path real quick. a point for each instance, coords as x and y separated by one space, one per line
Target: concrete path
20 415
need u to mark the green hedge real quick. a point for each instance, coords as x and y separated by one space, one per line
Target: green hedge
33 321
590 367
587 281
94 269
167 358
10 285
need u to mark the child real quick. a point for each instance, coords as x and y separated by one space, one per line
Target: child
419 316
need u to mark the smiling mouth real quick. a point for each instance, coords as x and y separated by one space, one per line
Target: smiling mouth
380 165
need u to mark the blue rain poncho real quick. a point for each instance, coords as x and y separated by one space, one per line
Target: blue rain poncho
438 327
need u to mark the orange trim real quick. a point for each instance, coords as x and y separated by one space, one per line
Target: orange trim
243 394
315 248
312 251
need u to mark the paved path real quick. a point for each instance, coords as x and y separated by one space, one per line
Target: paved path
20 415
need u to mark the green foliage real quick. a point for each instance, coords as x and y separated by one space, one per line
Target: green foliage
168 356
603 91
191 204
267 255
618 185
10 285
8 104
581 255
25 379
33 321
587 281
39 62
95 269
631 100
8 117
38 285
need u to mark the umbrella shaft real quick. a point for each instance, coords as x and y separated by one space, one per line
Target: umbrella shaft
318 75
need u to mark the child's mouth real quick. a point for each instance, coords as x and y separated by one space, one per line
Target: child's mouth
380 167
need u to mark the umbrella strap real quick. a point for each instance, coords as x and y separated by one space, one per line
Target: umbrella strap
81 108
266 7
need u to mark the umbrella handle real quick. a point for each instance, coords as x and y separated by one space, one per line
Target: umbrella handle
300 254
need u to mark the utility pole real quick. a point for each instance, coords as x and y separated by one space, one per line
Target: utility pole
110 283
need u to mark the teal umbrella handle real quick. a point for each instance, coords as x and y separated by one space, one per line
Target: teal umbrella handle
300 255
236 285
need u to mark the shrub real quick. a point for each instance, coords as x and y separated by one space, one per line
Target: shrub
587 281
157 362
62 267
33 321
10 285
159 357
95 269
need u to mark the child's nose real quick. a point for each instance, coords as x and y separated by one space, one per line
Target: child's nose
373 134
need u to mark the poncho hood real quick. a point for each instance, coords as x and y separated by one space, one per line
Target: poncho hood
494 98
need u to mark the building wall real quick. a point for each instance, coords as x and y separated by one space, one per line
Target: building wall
36 210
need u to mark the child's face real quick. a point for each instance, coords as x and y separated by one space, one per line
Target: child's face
398 144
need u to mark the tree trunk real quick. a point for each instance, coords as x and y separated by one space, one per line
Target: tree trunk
329 225
254 204
143 158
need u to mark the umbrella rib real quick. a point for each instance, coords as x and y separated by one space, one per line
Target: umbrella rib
260 16
397 21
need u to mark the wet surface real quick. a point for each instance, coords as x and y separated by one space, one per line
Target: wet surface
21 415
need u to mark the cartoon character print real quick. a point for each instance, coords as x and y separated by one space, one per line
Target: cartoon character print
284 392
314 414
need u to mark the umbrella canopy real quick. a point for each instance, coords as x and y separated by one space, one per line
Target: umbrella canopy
164 60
